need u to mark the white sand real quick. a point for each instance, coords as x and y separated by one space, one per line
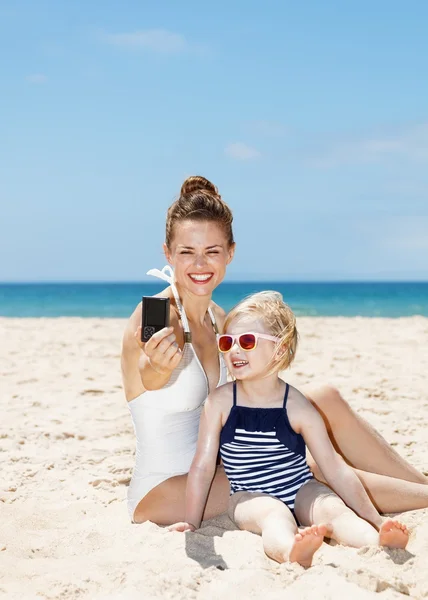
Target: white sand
66 455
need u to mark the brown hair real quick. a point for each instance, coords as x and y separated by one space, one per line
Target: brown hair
279 320
199 200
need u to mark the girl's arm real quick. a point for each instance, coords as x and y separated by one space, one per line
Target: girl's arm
204 463
305 419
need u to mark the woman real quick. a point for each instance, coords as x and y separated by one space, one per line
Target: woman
167 380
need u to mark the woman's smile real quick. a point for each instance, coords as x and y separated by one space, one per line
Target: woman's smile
201 278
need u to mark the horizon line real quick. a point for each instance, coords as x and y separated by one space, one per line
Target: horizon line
232 281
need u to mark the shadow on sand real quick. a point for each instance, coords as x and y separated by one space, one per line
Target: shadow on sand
200 545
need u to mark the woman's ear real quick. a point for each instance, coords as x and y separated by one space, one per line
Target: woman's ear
231 253
167 252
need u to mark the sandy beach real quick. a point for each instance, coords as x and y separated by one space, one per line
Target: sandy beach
67 452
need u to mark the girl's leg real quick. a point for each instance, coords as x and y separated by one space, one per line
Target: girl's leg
273 520
356 440
317 503
165 504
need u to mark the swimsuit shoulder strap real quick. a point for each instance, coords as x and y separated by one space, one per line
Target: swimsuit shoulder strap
234 393
213 321
167 274
287 388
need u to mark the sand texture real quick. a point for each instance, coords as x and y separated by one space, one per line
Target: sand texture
67 452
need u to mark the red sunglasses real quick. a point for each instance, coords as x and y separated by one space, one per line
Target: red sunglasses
246 341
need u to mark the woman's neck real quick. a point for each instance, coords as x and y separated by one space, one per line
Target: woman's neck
195 307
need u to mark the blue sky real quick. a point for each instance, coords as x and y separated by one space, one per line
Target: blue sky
311 118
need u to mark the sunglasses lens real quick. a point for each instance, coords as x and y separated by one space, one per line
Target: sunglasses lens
247 341
225 343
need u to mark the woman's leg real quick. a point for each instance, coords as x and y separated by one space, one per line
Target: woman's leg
356 440
273 520
165 504
316 503
389 495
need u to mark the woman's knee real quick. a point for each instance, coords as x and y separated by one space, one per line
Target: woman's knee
327 399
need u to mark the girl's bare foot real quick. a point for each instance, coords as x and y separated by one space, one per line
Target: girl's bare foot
306 543
393 534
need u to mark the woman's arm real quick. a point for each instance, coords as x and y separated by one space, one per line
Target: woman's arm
306 420
204 462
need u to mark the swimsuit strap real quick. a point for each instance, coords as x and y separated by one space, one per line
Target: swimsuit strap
213 321
234 393
287 388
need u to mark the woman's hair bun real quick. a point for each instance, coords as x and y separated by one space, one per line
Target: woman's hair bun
196 183
199 200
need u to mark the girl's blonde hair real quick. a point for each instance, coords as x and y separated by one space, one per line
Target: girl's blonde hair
279 320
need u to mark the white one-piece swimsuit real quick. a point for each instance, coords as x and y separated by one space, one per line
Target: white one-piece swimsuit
166 421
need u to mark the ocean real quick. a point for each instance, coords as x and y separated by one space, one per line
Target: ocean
346 299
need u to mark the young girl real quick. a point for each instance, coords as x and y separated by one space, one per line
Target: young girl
262 426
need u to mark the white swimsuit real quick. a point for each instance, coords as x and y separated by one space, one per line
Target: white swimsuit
166 421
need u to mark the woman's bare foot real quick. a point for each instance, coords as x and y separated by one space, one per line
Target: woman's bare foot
393 534
306 543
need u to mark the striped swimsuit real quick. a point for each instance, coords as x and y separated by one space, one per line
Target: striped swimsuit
262 453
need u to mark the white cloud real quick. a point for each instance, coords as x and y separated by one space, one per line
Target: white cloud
240 151
156 40
36 78
410 143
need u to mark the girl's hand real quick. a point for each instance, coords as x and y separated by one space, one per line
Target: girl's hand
182 526
162 350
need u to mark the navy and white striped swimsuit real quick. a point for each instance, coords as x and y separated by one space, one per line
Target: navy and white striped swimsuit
261 452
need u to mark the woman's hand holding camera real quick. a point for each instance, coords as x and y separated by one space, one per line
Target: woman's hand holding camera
162 350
